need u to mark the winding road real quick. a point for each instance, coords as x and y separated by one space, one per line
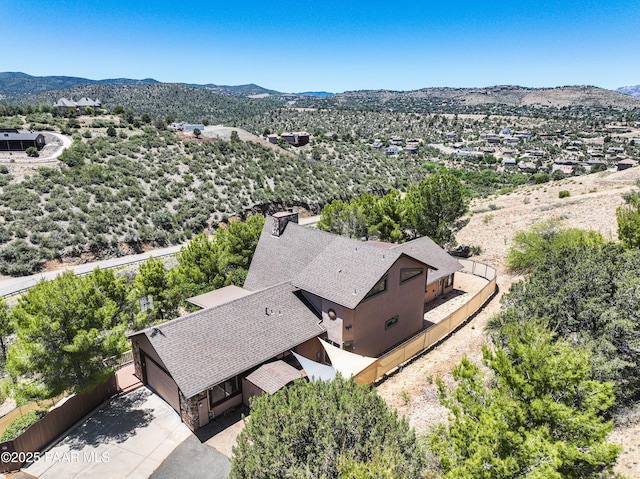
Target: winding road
11 286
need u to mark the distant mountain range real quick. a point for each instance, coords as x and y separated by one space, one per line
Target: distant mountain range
321 94
16 84
153 96
630 90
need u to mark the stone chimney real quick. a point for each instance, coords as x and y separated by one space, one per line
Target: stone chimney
280 221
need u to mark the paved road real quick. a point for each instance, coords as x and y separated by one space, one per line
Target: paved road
10 286
444 149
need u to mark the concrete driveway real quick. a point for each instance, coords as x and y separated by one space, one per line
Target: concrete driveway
128 438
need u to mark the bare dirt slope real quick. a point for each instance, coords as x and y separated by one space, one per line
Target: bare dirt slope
224 133
493 222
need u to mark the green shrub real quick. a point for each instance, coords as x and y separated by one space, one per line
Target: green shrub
540 178
21 424
564 194
32 152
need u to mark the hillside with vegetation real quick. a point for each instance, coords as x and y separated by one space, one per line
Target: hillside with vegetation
120 189
501 98
16 84
129 183
183 102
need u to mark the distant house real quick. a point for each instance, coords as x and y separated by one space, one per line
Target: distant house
296 138
626 164
182 126
377 144
190 127
510 140
412 150
64 103
392 150
508 162
303 284
527 166
12 140
536 152
397 140
614 150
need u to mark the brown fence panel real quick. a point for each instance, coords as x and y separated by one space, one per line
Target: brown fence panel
56 422
431 336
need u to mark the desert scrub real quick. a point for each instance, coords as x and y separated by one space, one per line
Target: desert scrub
405 397
21 424
564 194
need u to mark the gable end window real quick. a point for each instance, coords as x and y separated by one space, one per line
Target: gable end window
391 322
407 274
380 287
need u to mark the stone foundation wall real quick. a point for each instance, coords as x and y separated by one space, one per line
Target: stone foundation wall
189 410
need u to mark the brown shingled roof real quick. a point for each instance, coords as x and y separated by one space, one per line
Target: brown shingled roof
336 268
425 250
207 347
345 271
279 259
272 377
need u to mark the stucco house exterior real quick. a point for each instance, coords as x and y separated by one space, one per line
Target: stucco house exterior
81 104
303 284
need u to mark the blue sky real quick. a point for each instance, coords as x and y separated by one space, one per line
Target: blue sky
331 45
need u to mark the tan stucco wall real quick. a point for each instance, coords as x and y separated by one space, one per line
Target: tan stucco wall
249 390
311 349
368 333
433 290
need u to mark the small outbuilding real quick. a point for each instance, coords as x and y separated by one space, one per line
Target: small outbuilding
12 140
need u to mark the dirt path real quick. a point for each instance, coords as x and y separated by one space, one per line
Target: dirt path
492 223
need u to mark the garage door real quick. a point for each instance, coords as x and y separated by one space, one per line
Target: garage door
162 384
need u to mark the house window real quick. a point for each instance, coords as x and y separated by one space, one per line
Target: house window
391 322
380 287
407 274
223 390
348 346
449 281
